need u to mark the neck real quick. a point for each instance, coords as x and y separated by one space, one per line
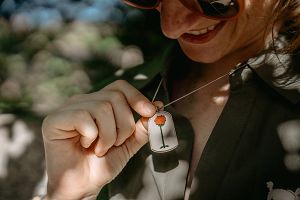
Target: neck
228 62
199 74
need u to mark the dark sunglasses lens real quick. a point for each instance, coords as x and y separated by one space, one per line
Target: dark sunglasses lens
219 8
143 3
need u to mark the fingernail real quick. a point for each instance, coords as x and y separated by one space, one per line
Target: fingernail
100 151
150 108
159 105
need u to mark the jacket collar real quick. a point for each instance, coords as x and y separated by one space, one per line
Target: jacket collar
279 72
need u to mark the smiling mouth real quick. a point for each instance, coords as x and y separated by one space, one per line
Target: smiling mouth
203 31
202 36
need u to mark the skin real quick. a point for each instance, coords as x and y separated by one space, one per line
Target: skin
240 39
78 162
91 137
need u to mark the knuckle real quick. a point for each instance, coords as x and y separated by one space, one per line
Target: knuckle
99 152
81 114
121 82
103 147
46 120
45 124
116 84
49 121
105 106
117 96
75 97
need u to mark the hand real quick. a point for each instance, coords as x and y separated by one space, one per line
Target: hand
90 139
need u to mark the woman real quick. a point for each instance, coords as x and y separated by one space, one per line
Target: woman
229 131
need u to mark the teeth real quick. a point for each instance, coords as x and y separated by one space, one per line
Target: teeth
194 32
211 27
202 31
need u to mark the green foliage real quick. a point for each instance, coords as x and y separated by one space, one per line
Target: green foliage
40 69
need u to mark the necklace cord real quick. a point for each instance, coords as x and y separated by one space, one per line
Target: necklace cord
157 89
188 94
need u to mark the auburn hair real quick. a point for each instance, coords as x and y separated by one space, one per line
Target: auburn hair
287 12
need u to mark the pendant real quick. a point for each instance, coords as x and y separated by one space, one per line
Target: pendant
162 133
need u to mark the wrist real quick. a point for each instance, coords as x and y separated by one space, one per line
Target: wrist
70 193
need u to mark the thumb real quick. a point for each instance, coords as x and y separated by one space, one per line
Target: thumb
140 136
120 155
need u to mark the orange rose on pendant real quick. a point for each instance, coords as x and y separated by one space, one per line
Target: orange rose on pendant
160 120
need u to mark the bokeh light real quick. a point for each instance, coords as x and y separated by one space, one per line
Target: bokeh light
49 51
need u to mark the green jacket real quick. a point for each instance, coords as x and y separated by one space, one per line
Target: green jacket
256 140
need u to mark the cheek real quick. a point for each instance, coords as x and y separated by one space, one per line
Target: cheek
257 15
223 44
251 24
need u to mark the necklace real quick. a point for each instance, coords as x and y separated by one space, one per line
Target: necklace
161 129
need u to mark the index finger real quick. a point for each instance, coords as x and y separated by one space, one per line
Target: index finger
137 101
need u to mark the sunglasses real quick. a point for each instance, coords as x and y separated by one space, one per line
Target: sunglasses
213 9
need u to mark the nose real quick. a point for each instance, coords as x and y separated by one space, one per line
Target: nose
175 18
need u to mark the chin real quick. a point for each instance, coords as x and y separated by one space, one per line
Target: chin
203 59
202 55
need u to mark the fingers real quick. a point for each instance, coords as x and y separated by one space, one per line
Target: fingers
140 136
134 142
123 115
137 101
159 105
107 115
104 117
67 124
125 124
120 94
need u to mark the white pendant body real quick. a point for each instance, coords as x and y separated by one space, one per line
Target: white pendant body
162 133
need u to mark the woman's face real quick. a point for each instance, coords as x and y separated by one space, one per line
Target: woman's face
207 40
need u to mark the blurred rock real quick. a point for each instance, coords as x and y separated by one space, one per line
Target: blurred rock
131 57
11 90
15 146
76 42
6 118
20 23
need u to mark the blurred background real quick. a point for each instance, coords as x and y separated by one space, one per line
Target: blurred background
50 50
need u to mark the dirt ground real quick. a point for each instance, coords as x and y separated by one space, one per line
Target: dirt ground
21 157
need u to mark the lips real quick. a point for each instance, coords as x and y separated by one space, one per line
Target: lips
203 35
